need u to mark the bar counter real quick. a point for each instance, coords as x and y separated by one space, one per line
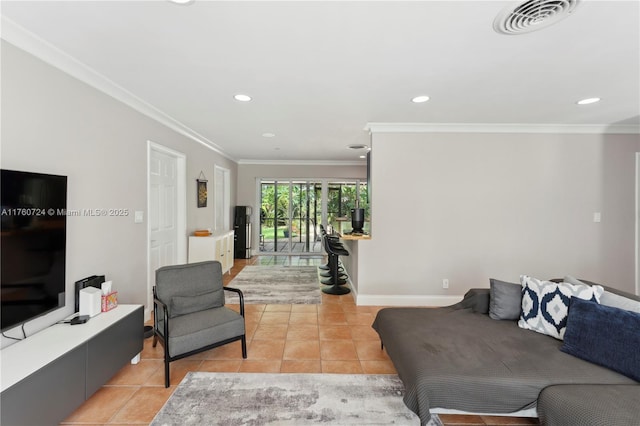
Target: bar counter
355 237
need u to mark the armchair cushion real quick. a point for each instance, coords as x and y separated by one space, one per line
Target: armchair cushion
182 305
193 331
191 287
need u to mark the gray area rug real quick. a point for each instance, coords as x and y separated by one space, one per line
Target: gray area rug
277 285
287 399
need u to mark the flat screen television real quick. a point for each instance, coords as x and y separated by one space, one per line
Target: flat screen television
32 246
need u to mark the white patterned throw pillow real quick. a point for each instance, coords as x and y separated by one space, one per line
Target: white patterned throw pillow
545 304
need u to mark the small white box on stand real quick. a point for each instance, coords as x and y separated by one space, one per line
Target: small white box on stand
90 301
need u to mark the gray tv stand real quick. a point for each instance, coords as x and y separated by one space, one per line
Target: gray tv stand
48 375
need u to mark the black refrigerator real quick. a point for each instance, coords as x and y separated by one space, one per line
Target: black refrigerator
242 232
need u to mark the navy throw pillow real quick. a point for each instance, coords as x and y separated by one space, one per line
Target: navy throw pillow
606 336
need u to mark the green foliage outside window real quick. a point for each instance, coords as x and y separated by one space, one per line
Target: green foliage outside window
341 199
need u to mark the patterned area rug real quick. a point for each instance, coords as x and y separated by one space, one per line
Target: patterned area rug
287 399
277 285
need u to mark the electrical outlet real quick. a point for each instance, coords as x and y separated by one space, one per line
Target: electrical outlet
445 283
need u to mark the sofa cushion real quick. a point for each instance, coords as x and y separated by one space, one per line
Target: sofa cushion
606 336
476 299
545 304
589 405
616 301
182 305
505 300
573 280
619 299
481 303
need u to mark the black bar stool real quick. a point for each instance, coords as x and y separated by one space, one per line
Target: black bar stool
327 270
326 267
333 251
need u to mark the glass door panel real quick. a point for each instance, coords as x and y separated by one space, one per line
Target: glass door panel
290 217
267 216
363 196
304 213
283 222
342 198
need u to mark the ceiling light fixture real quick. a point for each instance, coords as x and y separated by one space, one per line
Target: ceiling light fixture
420 99
588 101
268 135
182 2
242 98
363 156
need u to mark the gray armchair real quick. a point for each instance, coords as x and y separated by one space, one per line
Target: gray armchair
189 312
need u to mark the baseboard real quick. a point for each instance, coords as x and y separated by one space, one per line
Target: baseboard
405 300
354 292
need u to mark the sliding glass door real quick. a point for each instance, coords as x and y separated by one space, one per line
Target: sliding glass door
290 216
292 210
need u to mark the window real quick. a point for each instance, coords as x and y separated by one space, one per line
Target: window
291 212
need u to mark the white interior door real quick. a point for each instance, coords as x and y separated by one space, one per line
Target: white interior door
162 214
166 207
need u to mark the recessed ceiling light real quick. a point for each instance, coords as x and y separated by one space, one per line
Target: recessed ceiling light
268 135
182 2
588 101
363 156
242 98
357 146
420 99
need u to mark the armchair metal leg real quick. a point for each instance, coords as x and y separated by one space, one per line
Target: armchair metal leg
244 347
166 373
167 360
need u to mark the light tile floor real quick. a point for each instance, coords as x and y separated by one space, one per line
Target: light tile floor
333 337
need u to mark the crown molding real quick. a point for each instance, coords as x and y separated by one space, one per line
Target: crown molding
501 128
301 162
45 51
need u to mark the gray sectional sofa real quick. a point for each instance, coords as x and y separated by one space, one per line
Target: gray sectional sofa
461 358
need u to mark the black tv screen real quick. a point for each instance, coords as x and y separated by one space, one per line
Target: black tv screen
33 245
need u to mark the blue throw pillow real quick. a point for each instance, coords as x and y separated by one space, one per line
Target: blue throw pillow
606 336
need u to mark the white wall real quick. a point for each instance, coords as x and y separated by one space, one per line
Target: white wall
53 123
468 207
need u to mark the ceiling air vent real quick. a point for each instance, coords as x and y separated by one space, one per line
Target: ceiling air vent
532 15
